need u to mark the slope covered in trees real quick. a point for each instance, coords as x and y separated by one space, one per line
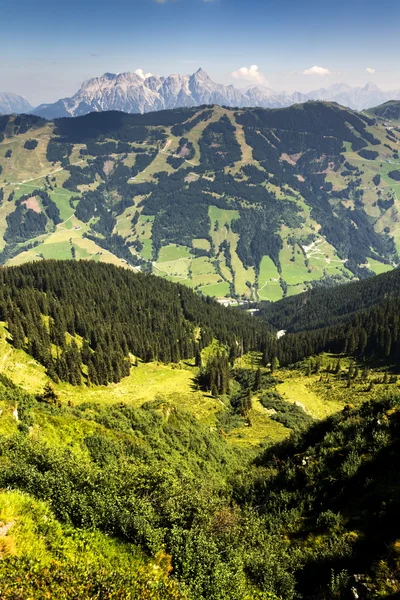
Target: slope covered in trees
246 204
388 110
102 499
323 307
336 492
86 321
360 319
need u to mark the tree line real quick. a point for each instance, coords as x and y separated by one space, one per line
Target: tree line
87 322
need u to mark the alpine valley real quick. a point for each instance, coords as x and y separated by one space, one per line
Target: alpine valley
156 445
200 300
249 204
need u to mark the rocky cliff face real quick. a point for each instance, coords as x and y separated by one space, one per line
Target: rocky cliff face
133 93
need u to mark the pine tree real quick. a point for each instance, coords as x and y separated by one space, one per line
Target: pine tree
17 333
350 373
49 394
274 364
264 359
246 403
92 374
257 380
198 362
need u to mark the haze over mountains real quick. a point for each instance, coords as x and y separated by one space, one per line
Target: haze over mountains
12 103
135 93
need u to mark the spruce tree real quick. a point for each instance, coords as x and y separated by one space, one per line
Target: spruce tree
257 380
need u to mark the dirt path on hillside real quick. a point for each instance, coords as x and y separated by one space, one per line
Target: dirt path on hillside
24 181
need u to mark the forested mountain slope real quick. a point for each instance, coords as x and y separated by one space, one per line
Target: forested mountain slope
90 322
105 496
322 307
336 491
244 204
389 110
360 319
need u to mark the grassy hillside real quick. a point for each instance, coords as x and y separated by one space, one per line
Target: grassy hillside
163 491
249 204
222 476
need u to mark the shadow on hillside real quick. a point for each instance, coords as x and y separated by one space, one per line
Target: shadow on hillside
370 505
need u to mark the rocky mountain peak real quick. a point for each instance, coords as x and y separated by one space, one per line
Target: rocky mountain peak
371 87
201 74
13 103
134 93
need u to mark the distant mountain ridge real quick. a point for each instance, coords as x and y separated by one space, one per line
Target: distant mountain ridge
133 93
13 103
388 110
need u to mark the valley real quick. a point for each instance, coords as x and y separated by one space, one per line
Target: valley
212 198
175 427
144 426
199 300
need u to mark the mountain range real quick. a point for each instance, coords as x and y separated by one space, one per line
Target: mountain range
134 93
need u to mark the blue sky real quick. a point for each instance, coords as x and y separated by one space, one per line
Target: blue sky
48 47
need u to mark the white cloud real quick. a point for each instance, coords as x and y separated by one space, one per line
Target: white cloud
142 74
370 70
317 71
249 74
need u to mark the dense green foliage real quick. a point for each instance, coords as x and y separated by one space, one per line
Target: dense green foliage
314 517
182 129
370 333
151 476
113 124
339 488
24 224
368 154
30 144
395 175
116 314
322 307
19 578
290 415
360 319
388 110
218 145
